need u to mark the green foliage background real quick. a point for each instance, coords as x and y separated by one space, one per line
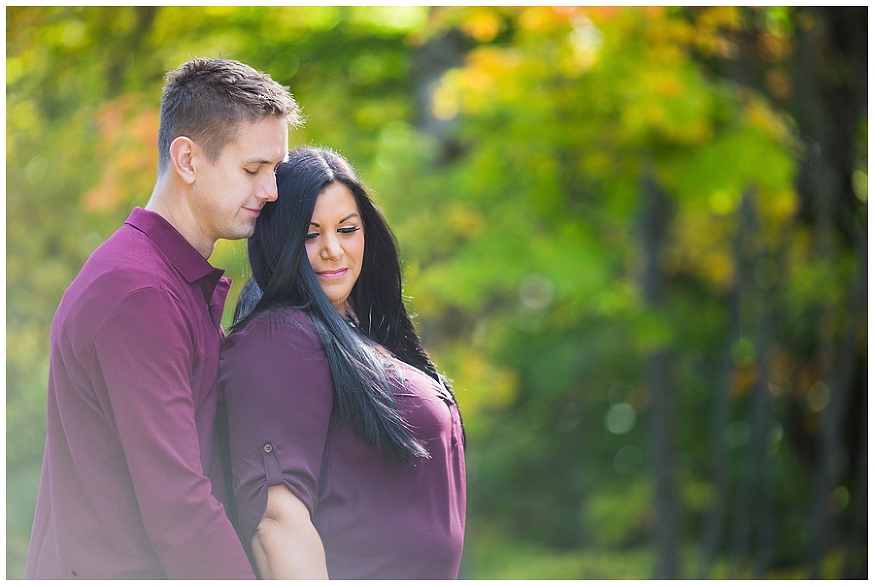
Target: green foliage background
514 166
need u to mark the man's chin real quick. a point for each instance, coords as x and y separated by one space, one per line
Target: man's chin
241 233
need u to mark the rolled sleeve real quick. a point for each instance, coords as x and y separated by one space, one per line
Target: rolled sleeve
278 392
144 352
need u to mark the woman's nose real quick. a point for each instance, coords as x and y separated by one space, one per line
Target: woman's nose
332 248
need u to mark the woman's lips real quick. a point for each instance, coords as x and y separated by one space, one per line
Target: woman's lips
335 274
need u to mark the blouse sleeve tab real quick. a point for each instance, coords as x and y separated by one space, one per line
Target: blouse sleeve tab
272 469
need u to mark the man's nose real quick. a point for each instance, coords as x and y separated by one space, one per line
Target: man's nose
267 189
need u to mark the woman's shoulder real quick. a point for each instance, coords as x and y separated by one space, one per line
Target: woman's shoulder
282 317
278 326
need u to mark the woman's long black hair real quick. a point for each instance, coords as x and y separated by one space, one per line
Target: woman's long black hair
283 277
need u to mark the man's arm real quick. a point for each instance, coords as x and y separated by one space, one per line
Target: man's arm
145 351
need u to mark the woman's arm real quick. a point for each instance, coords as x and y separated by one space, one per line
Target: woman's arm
286 545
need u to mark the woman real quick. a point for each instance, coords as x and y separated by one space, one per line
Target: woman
346 444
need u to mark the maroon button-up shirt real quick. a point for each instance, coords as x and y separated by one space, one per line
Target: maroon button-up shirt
375 521
126 489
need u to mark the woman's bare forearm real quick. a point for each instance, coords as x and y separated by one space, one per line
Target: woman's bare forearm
286 545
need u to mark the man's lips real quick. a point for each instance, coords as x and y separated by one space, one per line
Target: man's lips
334 274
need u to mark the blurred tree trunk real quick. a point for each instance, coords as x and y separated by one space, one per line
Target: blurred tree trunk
829 470
714 525
855 566
654 229
759 450
831 97
430 61
748 303
828 101
120 59
753 524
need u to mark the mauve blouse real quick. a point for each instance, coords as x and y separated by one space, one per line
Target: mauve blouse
375 521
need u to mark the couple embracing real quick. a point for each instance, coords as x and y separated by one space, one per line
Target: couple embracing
315 440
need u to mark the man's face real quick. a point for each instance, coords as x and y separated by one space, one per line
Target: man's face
228 194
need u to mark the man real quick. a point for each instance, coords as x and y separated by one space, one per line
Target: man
131 483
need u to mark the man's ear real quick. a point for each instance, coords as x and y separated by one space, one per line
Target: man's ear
182 158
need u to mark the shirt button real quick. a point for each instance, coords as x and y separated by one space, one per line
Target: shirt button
268 448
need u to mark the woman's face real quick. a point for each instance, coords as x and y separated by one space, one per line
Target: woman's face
335 243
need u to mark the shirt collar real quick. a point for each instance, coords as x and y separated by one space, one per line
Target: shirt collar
181 254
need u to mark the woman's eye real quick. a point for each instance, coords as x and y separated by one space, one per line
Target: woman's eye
251 172
349 229
312 235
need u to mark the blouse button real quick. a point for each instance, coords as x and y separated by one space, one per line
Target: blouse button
268 448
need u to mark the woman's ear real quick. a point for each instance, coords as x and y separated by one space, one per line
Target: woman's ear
182 151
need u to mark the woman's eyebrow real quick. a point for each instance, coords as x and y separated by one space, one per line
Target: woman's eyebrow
352 215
